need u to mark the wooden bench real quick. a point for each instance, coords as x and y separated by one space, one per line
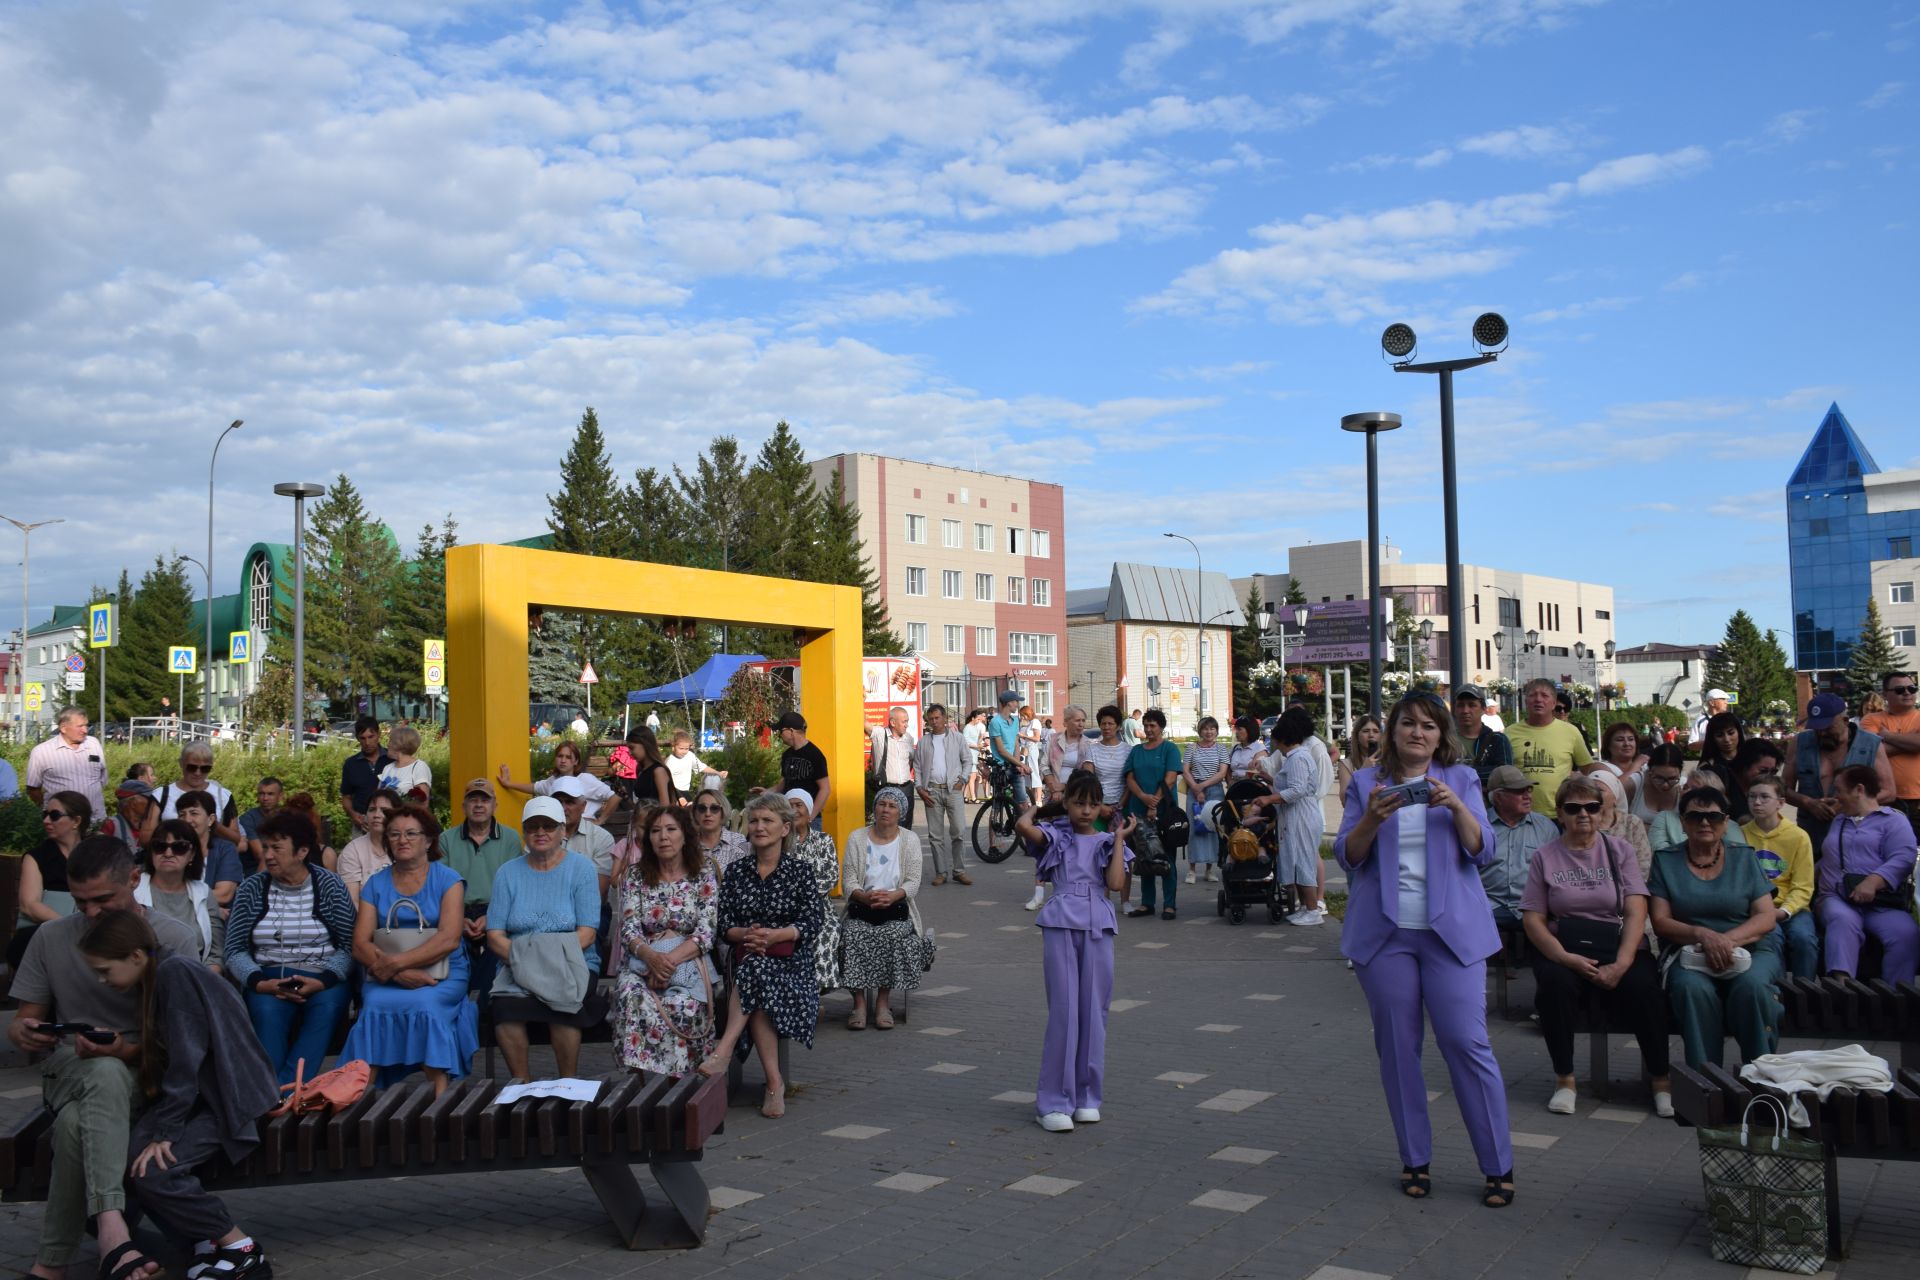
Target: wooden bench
406 1132
1850 1124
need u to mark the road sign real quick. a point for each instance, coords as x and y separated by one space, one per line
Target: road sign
182 660
100 630
435 650
75 680
36 695
587 676
240 647
434 674
75 662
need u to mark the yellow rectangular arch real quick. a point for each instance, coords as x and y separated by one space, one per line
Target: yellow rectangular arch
490 588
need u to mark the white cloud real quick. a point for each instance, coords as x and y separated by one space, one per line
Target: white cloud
1641 170
881 306
1576 310
1219 372
1525 142
1884 95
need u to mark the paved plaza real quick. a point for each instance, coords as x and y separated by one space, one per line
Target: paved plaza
1245 1135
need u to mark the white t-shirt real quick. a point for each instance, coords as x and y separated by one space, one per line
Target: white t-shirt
580 727
1413 867
595 790
682 768
1492 720
221 799
403 778
883 864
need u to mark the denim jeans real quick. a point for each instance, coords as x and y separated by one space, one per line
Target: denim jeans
289 1031
1799 942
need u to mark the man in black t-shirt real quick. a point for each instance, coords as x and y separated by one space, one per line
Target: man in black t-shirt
802 764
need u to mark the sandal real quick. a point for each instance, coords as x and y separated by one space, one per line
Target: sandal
857 1020
1416 1184
118 1266
883 1019
1167 914
229 1263
715 1064
1499 1192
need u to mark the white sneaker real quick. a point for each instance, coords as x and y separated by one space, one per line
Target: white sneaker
1190 877
1039 896
1211 877
1561 1103
1086 1115
1057 1122
1663 1105
1307 919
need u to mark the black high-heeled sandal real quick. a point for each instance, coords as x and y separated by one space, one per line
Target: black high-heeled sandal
1499 1192
1416 1184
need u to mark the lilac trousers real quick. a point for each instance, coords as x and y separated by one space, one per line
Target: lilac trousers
1847 927
1079 972
1412 976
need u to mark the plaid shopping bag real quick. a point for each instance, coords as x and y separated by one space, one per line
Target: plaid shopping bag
1766 1195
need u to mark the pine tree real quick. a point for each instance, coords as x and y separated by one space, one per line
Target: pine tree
554 657
1777 682
352 562
784 532
714 500
119 706
1296 594
842 560
1247 698
158 616
416 613
1874 656
584 517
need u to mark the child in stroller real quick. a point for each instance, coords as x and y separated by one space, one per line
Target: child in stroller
1248 853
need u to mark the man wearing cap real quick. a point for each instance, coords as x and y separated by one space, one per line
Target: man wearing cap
584 836
1828 744
1717 701
1898 728
1487 748
1003 738
137 816
802 764
1518 834
476 849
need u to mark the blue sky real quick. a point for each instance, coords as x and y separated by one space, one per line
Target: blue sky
1144 250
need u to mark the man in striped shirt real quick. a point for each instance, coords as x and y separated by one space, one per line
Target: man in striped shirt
71 760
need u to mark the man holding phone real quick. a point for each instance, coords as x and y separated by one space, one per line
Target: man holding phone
88 1084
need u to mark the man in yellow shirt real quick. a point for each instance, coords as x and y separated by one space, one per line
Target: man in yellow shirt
1786 855
1899 730
1545 749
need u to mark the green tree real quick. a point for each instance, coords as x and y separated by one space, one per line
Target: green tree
713 504
584 517
158 615
1296 594
842 560
416 613
1873 655
352 563
554 656
1249 698
787 509
119 707
1750 666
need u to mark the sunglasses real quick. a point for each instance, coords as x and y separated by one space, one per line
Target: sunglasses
708 808
1582 806
538 826
54 815
1902 688
171 846
196 768
1712 817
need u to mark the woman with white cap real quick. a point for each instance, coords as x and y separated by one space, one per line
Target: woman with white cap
815 850
883 949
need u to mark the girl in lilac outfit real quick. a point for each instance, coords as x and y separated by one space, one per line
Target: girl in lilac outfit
1077 924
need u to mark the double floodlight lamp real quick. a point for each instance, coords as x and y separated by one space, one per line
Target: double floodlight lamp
1398 341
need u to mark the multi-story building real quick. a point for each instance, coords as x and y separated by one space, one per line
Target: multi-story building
972 568
1519 625
1851 530
1136 641
1672 674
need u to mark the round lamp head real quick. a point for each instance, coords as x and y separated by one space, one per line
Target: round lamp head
1490 331
298 489
1374 420
1398 340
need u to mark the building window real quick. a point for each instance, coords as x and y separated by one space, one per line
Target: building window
1900 548
983 537
950 535
1558 651
1042 544
983 586
949 584
1016 590
1903 637
1899 593
916 582
1509 612
983 642
1042 592
1016 541
916 528
260 596
917 636
1030 648
1603 615
1150 650
1042 697
953 638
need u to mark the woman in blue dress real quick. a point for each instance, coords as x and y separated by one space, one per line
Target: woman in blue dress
409 1019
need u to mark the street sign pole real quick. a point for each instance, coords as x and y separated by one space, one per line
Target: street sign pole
101 724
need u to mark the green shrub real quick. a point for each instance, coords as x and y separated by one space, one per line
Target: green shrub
747 765
19 824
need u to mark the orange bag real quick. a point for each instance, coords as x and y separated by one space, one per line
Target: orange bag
334 1090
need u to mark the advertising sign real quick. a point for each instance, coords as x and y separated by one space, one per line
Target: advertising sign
1336 632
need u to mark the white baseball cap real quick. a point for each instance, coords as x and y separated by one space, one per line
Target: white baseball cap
544 807
1716 695
569 786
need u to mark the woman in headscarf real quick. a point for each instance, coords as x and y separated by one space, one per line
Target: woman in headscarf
815 850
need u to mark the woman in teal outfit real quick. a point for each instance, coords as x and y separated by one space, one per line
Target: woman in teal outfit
1703 897
1153 772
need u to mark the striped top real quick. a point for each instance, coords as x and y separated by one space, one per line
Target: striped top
289 933
55 766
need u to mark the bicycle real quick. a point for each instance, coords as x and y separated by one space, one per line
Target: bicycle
994 838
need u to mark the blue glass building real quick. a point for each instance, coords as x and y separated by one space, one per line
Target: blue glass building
1844 526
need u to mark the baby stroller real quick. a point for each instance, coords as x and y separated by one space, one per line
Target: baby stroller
1249 850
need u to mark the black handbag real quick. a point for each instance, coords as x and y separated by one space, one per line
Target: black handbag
1896 897
1175 826
1596 940
869 914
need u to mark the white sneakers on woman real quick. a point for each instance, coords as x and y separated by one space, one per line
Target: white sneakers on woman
1561 1103
1086 1115
1057 1122
1663 1105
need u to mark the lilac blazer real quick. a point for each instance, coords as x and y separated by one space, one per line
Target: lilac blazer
1457 903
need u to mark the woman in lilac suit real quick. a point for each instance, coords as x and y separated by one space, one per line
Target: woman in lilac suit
1419 931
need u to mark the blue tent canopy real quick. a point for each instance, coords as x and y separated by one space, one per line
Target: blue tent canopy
705 685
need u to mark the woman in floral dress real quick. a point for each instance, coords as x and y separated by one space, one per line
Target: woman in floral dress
815 849
668 903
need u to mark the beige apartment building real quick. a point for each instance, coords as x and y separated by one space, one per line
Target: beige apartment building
1562 616
972 567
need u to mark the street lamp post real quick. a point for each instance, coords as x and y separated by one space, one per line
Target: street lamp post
1372 424
206 672
299 492
1490 336
206 688
26 529
1199 627
1268 620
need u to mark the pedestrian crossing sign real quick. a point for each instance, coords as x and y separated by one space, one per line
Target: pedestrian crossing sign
182 660
240 646
435 651
100 627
